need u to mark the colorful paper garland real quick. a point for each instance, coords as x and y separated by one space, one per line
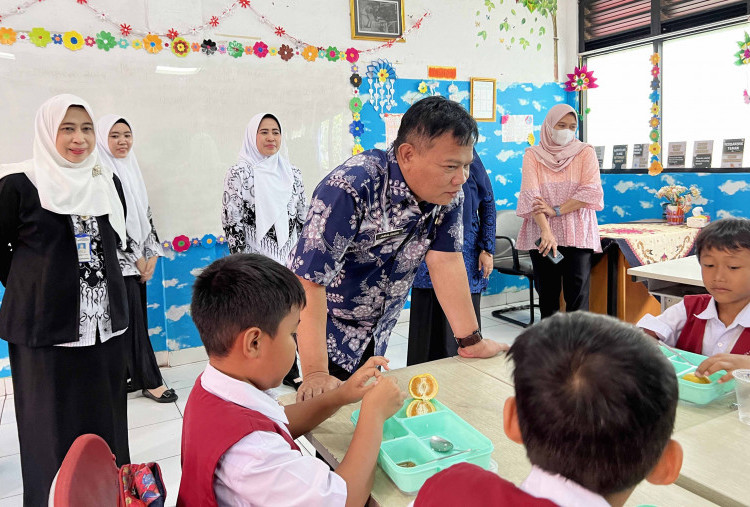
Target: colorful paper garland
580 80
182 243
655 146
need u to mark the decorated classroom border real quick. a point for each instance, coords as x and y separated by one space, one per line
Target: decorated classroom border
183 243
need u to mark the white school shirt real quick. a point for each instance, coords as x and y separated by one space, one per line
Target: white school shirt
262 469
717 339
560 490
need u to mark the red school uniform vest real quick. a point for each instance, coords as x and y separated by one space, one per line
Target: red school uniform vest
691 337
210 427
469 485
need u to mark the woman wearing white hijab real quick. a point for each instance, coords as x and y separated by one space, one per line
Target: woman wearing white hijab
65 307
264 199
114 138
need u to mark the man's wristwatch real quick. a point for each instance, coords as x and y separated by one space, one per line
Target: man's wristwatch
557 210
470 340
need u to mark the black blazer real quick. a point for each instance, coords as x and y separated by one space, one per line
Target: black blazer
39 269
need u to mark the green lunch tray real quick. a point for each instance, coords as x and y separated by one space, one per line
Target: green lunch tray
699 394
408 439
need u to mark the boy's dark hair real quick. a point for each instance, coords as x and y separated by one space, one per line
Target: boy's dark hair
725 234
432 117
238 292
596 400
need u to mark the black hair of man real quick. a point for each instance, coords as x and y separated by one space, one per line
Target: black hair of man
726 234
432 117
238 292
596 399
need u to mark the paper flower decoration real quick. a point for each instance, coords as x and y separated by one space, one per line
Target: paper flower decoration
105 41
310 53
72 40
355 69
260 49
166 245
355 105
352 55
195 242
40 37
655 84
195 47
125 29
208 47
654 148
655 58
56 38
273 51
654 96
531 139
654 136
743 55
180 47
653 122
355 80
235 49
286 52
654 109
7 36
422 87
746 97
222 49
655 168
356 128
655 71
357 149
355 116
137 44
123 43
248 50
172 34
332 54
180 243
90 41
221 239
580 80
152 43
208 241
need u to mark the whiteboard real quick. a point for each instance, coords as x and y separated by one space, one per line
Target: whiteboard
188 129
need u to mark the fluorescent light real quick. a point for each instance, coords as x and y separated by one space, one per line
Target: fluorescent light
8 56
178 71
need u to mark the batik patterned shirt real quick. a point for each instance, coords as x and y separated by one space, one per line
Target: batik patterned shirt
364 238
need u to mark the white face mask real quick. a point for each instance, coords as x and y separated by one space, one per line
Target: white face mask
562 137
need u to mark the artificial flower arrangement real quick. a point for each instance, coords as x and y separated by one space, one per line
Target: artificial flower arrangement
679 197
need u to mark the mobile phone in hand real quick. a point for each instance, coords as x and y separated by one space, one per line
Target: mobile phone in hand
550 255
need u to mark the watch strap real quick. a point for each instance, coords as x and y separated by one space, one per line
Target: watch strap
557 210
470 340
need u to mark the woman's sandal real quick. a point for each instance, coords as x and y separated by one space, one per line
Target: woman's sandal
168 396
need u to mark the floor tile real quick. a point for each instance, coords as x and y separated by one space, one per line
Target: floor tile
10 476
402 329
145 411
9 411
397 339
156 442
397 356
187 356
503 333
171 471
9 440
12 501
8 385
182 397
178 377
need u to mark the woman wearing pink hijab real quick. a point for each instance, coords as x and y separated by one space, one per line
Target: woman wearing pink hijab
561 192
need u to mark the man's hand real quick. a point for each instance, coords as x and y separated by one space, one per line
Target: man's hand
357 386
728 362
316 383
486 263
484 349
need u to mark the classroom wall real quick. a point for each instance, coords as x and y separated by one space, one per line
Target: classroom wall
189 128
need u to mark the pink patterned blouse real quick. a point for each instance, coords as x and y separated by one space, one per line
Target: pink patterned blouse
579 180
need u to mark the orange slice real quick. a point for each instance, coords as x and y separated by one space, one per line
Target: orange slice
419 407
423 387
691 377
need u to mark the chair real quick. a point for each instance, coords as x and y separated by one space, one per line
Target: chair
88 476
510 261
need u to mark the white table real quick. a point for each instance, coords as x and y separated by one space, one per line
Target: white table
671 280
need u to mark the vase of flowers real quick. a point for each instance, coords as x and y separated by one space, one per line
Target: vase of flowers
679 201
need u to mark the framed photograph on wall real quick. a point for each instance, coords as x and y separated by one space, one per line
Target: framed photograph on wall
377 19
483 93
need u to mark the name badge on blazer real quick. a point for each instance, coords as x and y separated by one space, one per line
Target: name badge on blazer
389 234
83 246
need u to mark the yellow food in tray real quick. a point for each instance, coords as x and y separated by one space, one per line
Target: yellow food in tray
423 387
692 377
419 407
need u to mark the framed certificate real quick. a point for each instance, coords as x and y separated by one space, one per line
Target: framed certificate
483 92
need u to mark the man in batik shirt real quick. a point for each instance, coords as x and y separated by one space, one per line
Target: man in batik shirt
371 222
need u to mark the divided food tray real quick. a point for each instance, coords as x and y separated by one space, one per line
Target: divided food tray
408 439
699 394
